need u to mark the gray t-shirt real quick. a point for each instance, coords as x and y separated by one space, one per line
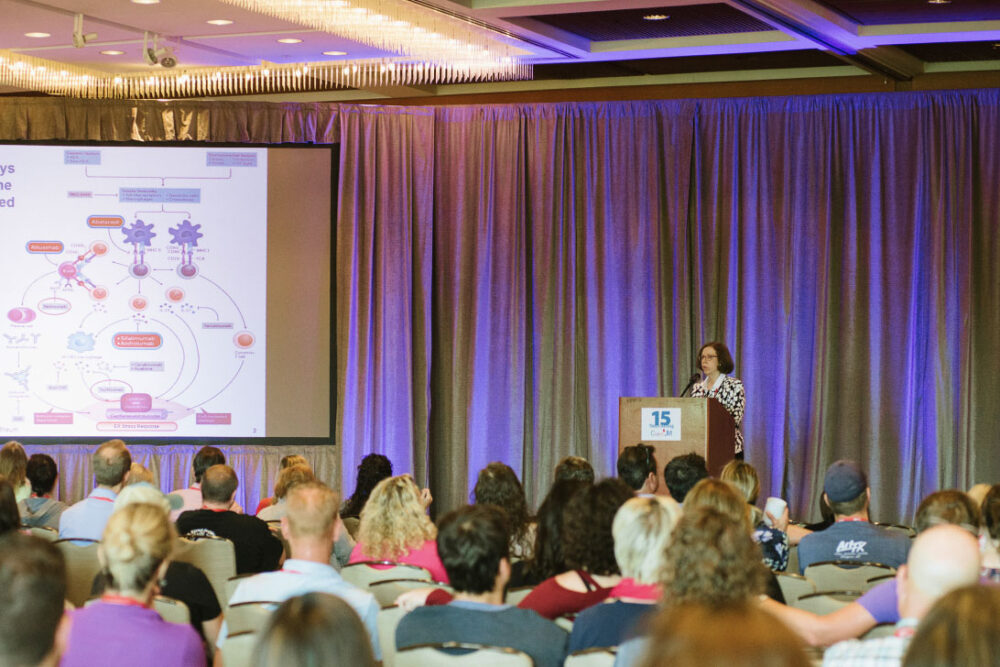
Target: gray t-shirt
854 540
41 512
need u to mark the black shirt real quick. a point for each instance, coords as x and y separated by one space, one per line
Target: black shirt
257 549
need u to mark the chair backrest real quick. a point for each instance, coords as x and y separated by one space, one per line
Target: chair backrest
793 586
44 532
880 630
909 531
81 568
387 591
248 616
232 583
592 657
515 595
386 622
445 654
237 650
352 523
172 610
826 602
840 575
215 556
793 558
566 622
362 574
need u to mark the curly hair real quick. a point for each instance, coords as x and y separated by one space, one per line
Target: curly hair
712 560
393 521
14 463
547 558
498 485
372 470
587 540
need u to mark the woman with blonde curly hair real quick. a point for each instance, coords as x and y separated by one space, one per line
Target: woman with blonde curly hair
395 527
121 628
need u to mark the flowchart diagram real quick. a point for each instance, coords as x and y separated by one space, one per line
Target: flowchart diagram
135 291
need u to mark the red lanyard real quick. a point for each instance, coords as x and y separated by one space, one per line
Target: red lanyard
627 588
107 500
111 598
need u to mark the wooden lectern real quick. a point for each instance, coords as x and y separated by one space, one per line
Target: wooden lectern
705 428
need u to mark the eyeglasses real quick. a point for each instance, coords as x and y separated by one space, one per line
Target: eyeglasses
709 356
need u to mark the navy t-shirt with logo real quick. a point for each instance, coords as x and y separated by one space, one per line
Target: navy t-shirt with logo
859 541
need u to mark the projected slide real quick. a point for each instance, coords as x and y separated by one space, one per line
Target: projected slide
133 291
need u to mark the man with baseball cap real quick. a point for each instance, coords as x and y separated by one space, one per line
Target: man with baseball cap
852 536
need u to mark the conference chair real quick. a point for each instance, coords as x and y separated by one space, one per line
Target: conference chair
172 610
81 568
793 558
793 586
909 531
844 575
826 602
566 621
602 656
232 583
386 622
477 655
362 574
387 591
515 595
880 630
248 616
44 532
215 556
237 650
352 524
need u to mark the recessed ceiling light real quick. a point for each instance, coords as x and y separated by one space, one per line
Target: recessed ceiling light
112 52
146 2
656 17
290 40
335 53
219 22
938 2
37 35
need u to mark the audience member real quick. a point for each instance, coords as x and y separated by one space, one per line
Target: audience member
287 461
87 518
942 559
547 558
10 517
14 467
395 527
257 549
826 517
498 485
121 628
733 634
41 509
310 526
311 630
637 468
474 546
960 630
205 458
182 581
989 539
589 552
372 470
641 531
32 598
978 493
575 468
287 478
682 473
852 537
139 474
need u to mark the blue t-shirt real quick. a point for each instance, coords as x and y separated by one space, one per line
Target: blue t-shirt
608 624
854 540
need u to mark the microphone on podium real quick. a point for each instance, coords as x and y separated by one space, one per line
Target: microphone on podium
694 378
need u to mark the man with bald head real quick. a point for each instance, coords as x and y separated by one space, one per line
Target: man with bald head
257 550
942 559
87 518
310 526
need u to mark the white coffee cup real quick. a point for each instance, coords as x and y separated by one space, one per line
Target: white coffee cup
775 507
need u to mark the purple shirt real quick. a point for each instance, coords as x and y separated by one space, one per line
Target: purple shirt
118 634
882 602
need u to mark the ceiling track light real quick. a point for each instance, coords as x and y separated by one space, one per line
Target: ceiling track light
79 38
156 54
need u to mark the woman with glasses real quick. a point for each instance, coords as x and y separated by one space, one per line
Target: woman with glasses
715 363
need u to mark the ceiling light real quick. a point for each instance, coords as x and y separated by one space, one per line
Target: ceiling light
938 2
335 53
37 35
290 40
112 52
656 17
146 2
219 22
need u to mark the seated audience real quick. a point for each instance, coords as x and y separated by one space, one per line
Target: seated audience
637 468
737 634
474 546
372 470
395 527
498 485
287 461
682 473
960 630
547 558
205 458
121 628
978 493
287 478
989 539
942 559
852 536
574 468
14 467
40 508
139 474
310 526
87 518
32 599
589 552
257 549
182 581
311 630
744 477
10 517
641 531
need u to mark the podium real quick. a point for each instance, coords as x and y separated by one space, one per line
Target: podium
705 428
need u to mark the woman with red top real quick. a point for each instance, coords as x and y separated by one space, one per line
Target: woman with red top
395 527
589 552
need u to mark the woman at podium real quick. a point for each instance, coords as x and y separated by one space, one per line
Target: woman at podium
715 362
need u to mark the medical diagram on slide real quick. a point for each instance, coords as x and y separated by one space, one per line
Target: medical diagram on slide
134 291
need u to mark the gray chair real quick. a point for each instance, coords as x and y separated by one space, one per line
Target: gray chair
215 556
592 657
793 586
237 650
44 532
387 591
172 610
362 574
248 616
826 602
439 655
81 568
386 622
515 595
841 575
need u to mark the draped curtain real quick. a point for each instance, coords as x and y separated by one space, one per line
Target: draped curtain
505 273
